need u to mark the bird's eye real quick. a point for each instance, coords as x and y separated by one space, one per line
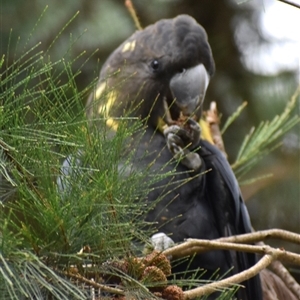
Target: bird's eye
155 65
182 70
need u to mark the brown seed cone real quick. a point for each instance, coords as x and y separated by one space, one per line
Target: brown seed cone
172 292
153 274
112 267
120 265
159 260
136 267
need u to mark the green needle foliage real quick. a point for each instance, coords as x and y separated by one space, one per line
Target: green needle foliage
266 137
53 221
45 229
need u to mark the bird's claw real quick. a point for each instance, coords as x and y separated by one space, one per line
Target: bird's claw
160 241
194 131
180 140
189 132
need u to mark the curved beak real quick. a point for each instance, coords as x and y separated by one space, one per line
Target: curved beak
189 87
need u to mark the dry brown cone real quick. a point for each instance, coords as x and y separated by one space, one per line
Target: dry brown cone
159 260
173 292
115 265
136 267
153 275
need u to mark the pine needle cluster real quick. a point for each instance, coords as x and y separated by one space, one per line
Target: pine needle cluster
54 220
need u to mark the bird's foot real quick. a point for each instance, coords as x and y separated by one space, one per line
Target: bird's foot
193 130
160 241
179 140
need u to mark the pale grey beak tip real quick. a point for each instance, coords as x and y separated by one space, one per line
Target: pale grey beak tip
189 87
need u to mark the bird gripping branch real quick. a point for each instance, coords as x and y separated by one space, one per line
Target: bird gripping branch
160 74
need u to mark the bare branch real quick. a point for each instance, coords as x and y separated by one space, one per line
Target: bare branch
212 118
286 277
264 235
196 246
92 283
279 270
228 282
290 3
237 243
192 246
270 257
131 9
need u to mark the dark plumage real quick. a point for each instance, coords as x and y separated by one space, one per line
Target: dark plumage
142 66
171 63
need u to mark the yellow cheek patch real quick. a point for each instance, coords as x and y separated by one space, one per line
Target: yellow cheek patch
100 90
129 46
110 122
104 109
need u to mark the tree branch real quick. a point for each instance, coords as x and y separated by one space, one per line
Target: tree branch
213 120
131 9
290 3
192 246
271 256
286 277
92 283
228 282
196 246
264 235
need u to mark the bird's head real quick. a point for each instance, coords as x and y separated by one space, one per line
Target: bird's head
167 65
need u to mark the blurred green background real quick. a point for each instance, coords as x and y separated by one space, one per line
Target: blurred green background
249 68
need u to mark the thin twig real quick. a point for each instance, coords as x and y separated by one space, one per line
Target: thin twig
94 284
290 3
213 120
187 248
280 270
228 282
264 235
131 9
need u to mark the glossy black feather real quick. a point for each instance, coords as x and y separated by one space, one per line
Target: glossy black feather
207 204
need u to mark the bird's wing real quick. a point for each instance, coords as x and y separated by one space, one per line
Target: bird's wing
171 61
240 217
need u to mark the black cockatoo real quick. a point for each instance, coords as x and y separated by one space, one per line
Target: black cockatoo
161 74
